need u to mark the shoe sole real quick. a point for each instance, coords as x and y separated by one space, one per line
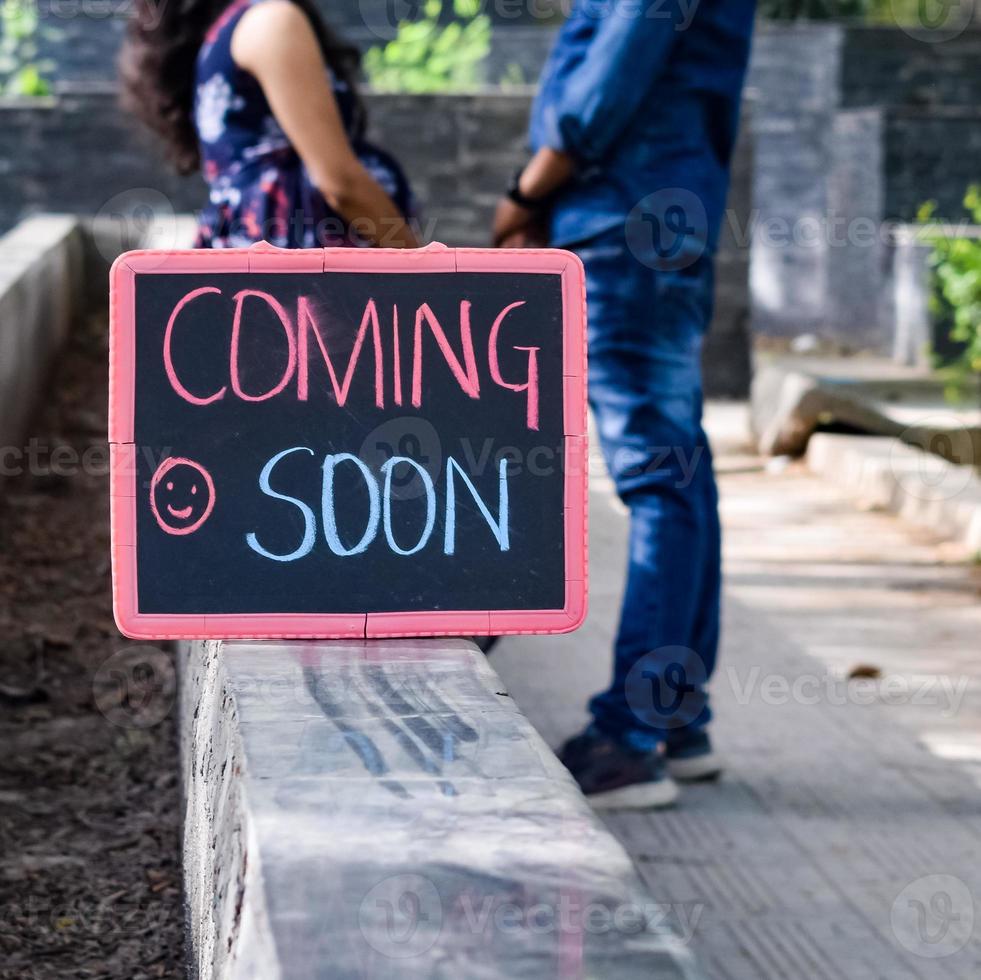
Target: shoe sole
699 768
639 796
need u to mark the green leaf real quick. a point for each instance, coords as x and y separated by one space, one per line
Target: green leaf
427 57
28 82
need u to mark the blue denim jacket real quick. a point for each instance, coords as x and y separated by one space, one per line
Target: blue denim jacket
645 94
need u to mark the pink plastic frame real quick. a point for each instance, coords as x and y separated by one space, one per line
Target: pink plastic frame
266 258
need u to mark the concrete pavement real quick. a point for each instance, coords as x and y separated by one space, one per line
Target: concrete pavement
844 841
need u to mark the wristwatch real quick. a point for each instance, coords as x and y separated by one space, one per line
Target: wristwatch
513 192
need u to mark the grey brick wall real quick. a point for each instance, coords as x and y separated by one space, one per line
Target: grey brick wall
792 87
855 248
460 151
80 154
931 154
74 153
816 159
854 127
881 66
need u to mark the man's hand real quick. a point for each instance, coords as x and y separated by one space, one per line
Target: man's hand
545 173
531 236
510 220
519 229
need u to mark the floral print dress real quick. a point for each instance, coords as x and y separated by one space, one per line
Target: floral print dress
260 189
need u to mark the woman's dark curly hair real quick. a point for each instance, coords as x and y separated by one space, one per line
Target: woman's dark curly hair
157 65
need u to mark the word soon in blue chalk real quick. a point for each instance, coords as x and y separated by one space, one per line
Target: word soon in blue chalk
380 507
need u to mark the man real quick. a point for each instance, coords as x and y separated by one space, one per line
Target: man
632 132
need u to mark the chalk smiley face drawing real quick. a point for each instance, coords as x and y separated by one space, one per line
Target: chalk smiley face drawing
182 495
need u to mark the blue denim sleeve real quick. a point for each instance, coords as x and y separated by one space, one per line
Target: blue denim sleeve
626 53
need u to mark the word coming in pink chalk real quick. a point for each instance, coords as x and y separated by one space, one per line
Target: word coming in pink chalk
303 334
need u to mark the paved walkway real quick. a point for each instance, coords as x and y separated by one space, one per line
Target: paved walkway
845 840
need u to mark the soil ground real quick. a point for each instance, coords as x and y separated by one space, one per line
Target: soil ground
89 782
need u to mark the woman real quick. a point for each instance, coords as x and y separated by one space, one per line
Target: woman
261 95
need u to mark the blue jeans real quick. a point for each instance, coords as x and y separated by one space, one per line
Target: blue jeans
646 329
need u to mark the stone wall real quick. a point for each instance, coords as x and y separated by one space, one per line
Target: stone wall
79 153
853 239
792 88
42 265
850 125
458 149
854 128
803 76
930 154
882 66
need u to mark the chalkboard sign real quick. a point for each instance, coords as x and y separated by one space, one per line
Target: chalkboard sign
347 442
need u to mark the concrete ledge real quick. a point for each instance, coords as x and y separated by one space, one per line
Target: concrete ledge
41 283
918 486
52 269
792 397
382 809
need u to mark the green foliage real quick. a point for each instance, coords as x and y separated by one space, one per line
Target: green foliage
427 56
956 266
900 13
894 13
513 77
21 74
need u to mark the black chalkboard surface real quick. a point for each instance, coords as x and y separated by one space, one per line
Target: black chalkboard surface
375 448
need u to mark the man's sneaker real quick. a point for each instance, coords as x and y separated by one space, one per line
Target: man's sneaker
614 776
690 756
